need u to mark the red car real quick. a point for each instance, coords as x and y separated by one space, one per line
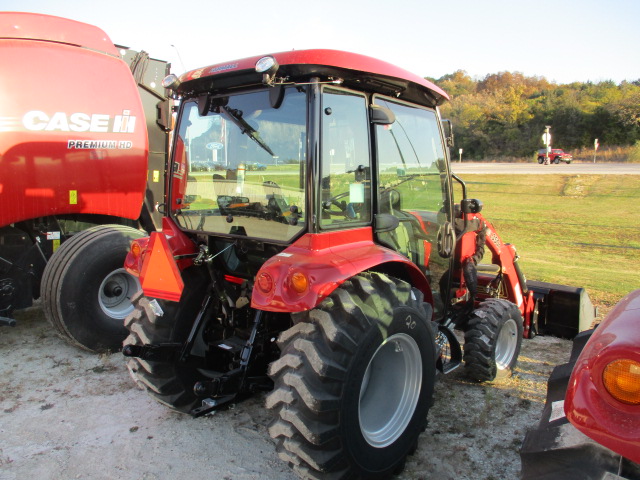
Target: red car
590 427
603 397
556 155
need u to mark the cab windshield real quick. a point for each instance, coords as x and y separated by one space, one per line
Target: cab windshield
239 165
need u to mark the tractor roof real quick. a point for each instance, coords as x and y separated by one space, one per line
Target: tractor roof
365 73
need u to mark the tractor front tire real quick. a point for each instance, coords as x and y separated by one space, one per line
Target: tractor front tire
492 340
157 322
355 381
86 293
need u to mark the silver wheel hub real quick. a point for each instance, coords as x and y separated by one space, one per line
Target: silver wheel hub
390 390
114 295
506 344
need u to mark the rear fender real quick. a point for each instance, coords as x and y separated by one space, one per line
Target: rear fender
326 260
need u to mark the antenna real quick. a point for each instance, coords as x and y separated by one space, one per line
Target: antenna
179 58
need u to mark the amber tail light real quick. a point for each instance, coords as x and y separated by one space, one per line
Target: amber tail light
621 378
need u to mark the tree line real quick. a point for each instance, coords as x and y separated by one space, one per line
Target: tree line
505 114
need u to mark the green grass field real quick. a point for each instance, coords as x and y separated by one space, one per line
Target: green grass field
579 230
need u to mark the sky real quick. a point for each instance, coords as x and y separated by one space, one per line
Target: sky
561 40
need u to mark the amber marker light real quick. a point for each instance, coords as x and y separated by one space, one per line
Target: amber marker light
299 282
622 380
265 282
136 249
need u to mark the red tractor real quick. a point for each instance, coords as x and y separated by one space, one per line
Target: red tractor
334 278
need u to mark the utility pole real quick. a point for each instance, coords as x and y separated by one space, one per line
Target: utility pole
546 138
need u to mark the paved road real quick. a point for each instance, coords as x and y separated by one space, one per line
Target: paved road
536 169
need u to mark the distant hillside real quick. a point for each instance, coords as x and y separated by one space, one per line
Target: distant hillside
505 114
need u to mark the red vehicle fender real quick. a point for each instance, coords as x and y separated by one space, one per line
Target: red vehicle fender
301 276
589 405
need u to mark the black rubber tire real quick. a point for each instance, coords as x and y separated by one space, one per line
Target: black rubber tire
318 378
540 160
489 356
556 160
155 322
72 283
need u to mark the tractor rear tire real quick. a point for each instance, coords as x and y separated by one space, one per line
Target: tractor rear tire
156 322
86 293
492 340
355 381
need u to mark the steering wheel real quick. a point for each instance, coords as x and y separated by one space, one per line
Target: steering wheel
344 209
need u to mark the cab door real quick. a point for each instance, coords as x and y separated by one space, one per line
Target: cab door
414 187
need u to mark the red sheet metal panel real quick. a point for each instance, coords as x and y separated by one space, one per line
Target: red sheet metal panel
72 130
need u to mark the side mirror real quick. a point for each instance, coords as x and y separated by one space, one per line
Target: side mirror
165 109
471 205
384 222
204 104
380 115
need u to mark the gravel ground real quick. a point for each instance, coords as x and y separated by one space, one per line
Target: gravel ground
69 414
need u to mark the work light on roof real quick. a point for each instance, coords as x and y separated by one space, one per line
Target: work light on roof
266 65
171 81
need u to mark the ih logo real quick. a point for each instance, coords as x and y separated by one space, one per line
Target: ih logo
36 120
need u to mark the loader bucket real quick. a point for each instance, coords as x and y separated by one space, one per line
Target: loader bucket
563 311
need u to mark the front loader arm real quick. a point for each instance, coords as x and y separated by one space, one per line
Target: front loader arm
501 278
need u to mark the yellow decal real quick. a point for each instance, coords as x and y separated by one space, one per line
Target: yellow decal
73 197
156 176
56 244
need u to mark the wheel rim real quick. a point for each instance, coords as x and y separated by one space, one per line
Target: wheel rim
507 344
390 390
115 293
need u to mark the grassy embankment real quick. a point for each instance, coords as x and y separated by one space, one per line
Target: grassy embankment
580 230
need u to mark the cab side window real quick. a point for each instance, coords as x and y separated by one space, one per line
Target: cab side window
346 161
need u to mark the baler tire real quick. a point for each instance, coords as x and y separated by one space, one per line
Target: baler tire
328 402
492 340
156 322
74 283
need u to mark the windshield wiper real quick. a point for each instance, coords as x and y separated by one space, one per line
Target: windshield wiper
246 129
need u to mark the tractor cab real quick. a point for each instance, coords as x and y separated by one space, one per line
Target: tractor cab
339 150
